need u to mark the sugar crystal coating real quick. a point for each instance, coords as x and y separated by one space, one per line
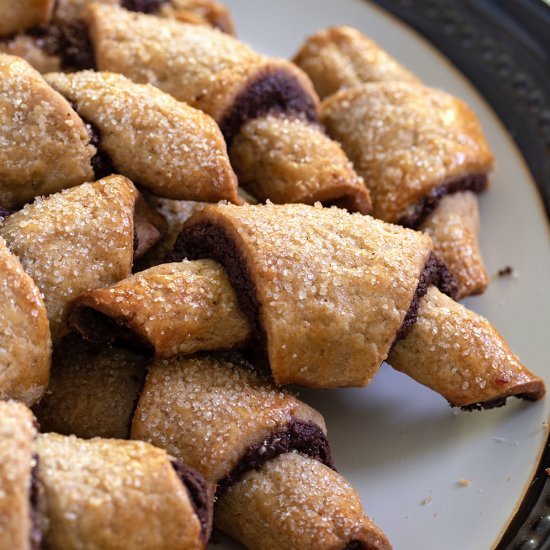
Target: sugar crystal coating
405 140
170 148
333 288
460 355
44 145
296 502
339 58
73 241
208 410
17 434
25 342
108 493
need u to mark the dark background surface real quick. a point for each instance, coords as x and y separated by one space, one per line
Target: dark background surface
503 47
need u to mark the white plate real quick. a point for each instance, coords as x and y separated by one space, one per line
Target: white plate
397 442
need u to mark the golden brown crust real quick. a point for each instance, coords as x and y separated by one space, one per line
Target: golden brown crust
93 390
338 58
343 283
149 227
205 12
103 493
172 309
321 510
46 146
290 160
208 411
453 227
458 354
25 342
67 11
20 15
204 67
17 435
30 49
171 149
406 140
74 241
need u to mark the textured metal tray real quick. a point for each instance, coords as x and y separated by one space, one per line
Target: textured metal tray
503 47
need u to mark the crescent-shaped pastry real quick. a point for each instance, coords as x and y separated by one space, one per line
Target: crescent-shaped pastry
243 433
412 145
339 58
19 524
359 303
225 78
23 14
69 493
170 309
25 342
108 493
287 160
92 390
171 149
460 355
327 292
75 240
453 227
45 145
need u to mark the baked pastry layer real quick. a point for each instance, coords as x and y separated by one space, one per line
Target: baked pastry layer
72 241
46 146
25 342
343 282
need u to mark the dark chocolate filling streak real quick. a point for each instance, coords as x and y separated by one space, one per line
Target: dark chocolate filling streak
304 437
272 92
425 206
143 6
4 213
36 532
205 240
201 495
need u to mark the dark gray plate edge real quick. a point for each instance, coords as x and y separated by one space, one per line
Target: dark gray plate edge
503 48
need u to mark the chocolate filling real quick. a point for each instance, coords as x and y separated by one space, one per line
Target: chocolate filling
201 495
205 240
298 435
499 402
36 532
274 92
143 6
69 41
435 273
4 213
98 328
427 204
355 545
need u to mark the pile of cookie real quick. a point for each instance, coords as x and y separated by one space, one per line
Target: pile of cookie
187 226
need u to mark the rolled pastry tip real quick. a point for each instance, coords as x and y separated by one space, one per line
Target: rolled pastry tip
288 160
411 144
108 493
73 241
25 342
343 282
19 522
454 227
460 355
45 145
93 390
309 490
201 66
167 147
23 14
216 413
339 58
170 309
